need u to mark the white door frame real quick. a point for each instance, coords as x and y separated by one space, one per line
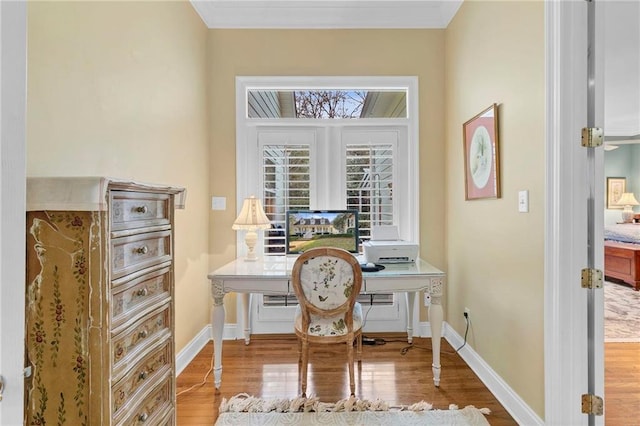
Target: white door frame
13 54
565 342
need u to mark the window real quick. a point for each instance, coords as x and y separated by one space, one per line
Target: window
326 103
369 181
360 157
366 176
286 186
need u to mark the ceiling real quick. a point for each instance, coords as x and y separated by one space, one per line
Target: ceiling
621 51
322 14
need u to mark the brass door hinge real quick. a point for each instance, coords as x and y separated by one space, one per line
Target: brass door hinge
592 137
592 404
591 278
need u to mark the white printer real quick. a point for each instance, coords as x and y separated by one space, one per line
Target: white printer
386 247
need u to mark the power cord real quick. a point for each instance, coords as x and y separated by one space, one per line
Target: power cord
466 318
366 314
202 383
370 340
406 349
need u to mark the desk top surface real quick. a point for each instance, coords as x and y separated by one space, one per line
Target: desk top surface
279 267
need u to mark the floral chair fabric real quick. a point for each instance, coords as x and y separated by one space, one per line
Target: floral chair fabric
330 326
327 282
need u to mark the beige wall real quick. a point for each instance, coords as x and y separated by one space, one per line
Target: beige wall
118 89
327 53
144 91
495 53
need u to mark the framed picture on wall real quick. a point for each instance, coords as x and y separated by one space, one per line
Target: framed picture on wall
616 186
482 155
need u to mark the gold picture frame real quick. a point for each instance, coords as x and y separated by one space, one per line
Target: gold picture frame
482 155
616 186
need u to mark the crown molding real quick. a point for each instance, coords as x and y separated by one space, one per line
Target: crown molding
326 14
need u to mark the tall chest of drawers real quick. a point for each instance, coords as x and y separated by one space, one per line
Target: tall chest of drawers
100 302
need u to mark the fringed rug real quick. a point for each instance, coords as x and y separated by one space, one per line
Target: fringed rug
244 409
621 313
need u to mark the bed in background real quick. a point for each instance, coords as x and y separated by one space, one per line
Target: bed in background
622 253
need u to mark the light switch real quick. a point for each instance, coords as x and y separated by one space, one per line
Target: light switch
218 203
523 201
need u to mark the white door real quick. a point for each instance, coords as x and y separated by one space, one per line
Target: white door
13 52
568 174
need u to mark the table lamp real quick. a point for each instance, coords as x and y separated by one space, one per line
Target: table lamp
627 200
251 217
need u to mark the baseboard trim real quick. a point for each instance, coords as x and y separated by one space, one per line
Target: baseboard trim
189 352
518 409
510 400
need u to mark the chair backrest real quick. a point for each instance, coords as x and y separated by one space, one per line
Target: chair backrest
327 282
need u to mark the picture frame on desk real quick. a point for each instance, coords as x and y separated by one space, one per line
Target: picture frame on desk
616 186
482 155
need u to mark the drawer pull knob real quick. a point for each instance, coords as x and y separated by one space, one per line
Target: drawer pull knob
142 375
142 250
143 334
141 209
143 417
143 292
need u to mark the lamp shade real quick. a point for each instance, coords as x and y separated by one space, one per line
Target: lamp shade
627 199
252 216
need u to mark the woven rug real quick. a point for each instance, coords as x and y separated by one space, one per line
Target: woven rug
244 409
621 313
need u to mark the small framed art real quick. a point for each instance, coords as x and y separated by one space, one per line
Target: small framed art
616 186
482 155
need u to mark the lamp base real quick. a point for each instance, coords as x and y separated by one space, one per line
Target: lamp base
250 240
627 215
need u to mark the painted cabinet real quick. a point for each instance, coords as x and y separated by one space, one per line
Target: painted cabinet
100 302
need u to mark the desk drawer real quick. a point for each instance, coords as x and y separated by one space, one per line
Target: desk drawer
136 252
268 286
131 210
395 285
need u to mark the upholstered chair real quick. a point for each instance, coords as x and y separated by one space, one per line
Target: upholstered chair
327 282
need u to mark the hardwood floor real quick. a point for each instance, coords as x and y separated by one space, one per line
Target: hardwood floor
622 384
268 369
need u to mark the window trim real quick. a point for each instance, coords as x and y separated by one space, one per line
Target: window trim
247 175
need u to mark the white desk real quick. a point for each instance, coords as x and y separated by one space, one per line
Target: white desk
271 275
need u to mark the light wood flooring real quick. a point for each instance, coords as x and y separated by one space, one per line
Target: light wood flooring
268 368
622 384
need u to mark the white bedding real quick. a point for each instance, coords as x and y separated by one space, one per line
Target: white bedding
623 232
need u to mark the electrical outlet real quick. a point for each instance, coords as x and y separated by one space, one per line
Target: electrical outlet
467 312
427 299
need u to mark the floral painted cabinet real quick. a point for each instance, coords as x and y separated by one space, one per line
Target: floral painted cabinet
99 302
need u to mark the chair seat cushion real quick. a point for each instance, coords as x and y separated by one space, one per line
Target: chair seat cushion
329 326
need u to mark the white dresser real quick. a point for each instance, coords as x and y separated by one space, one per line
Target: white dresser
100 302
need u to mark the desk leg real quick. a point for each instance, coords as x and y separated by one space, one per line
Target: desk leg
411 297
217 328
245 298
435 319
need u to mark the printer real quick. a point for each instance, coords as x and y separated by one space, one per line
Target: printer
386 247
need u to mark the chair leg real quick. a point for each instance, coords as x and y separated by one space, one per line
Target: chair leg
359 348
352 382
303 367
